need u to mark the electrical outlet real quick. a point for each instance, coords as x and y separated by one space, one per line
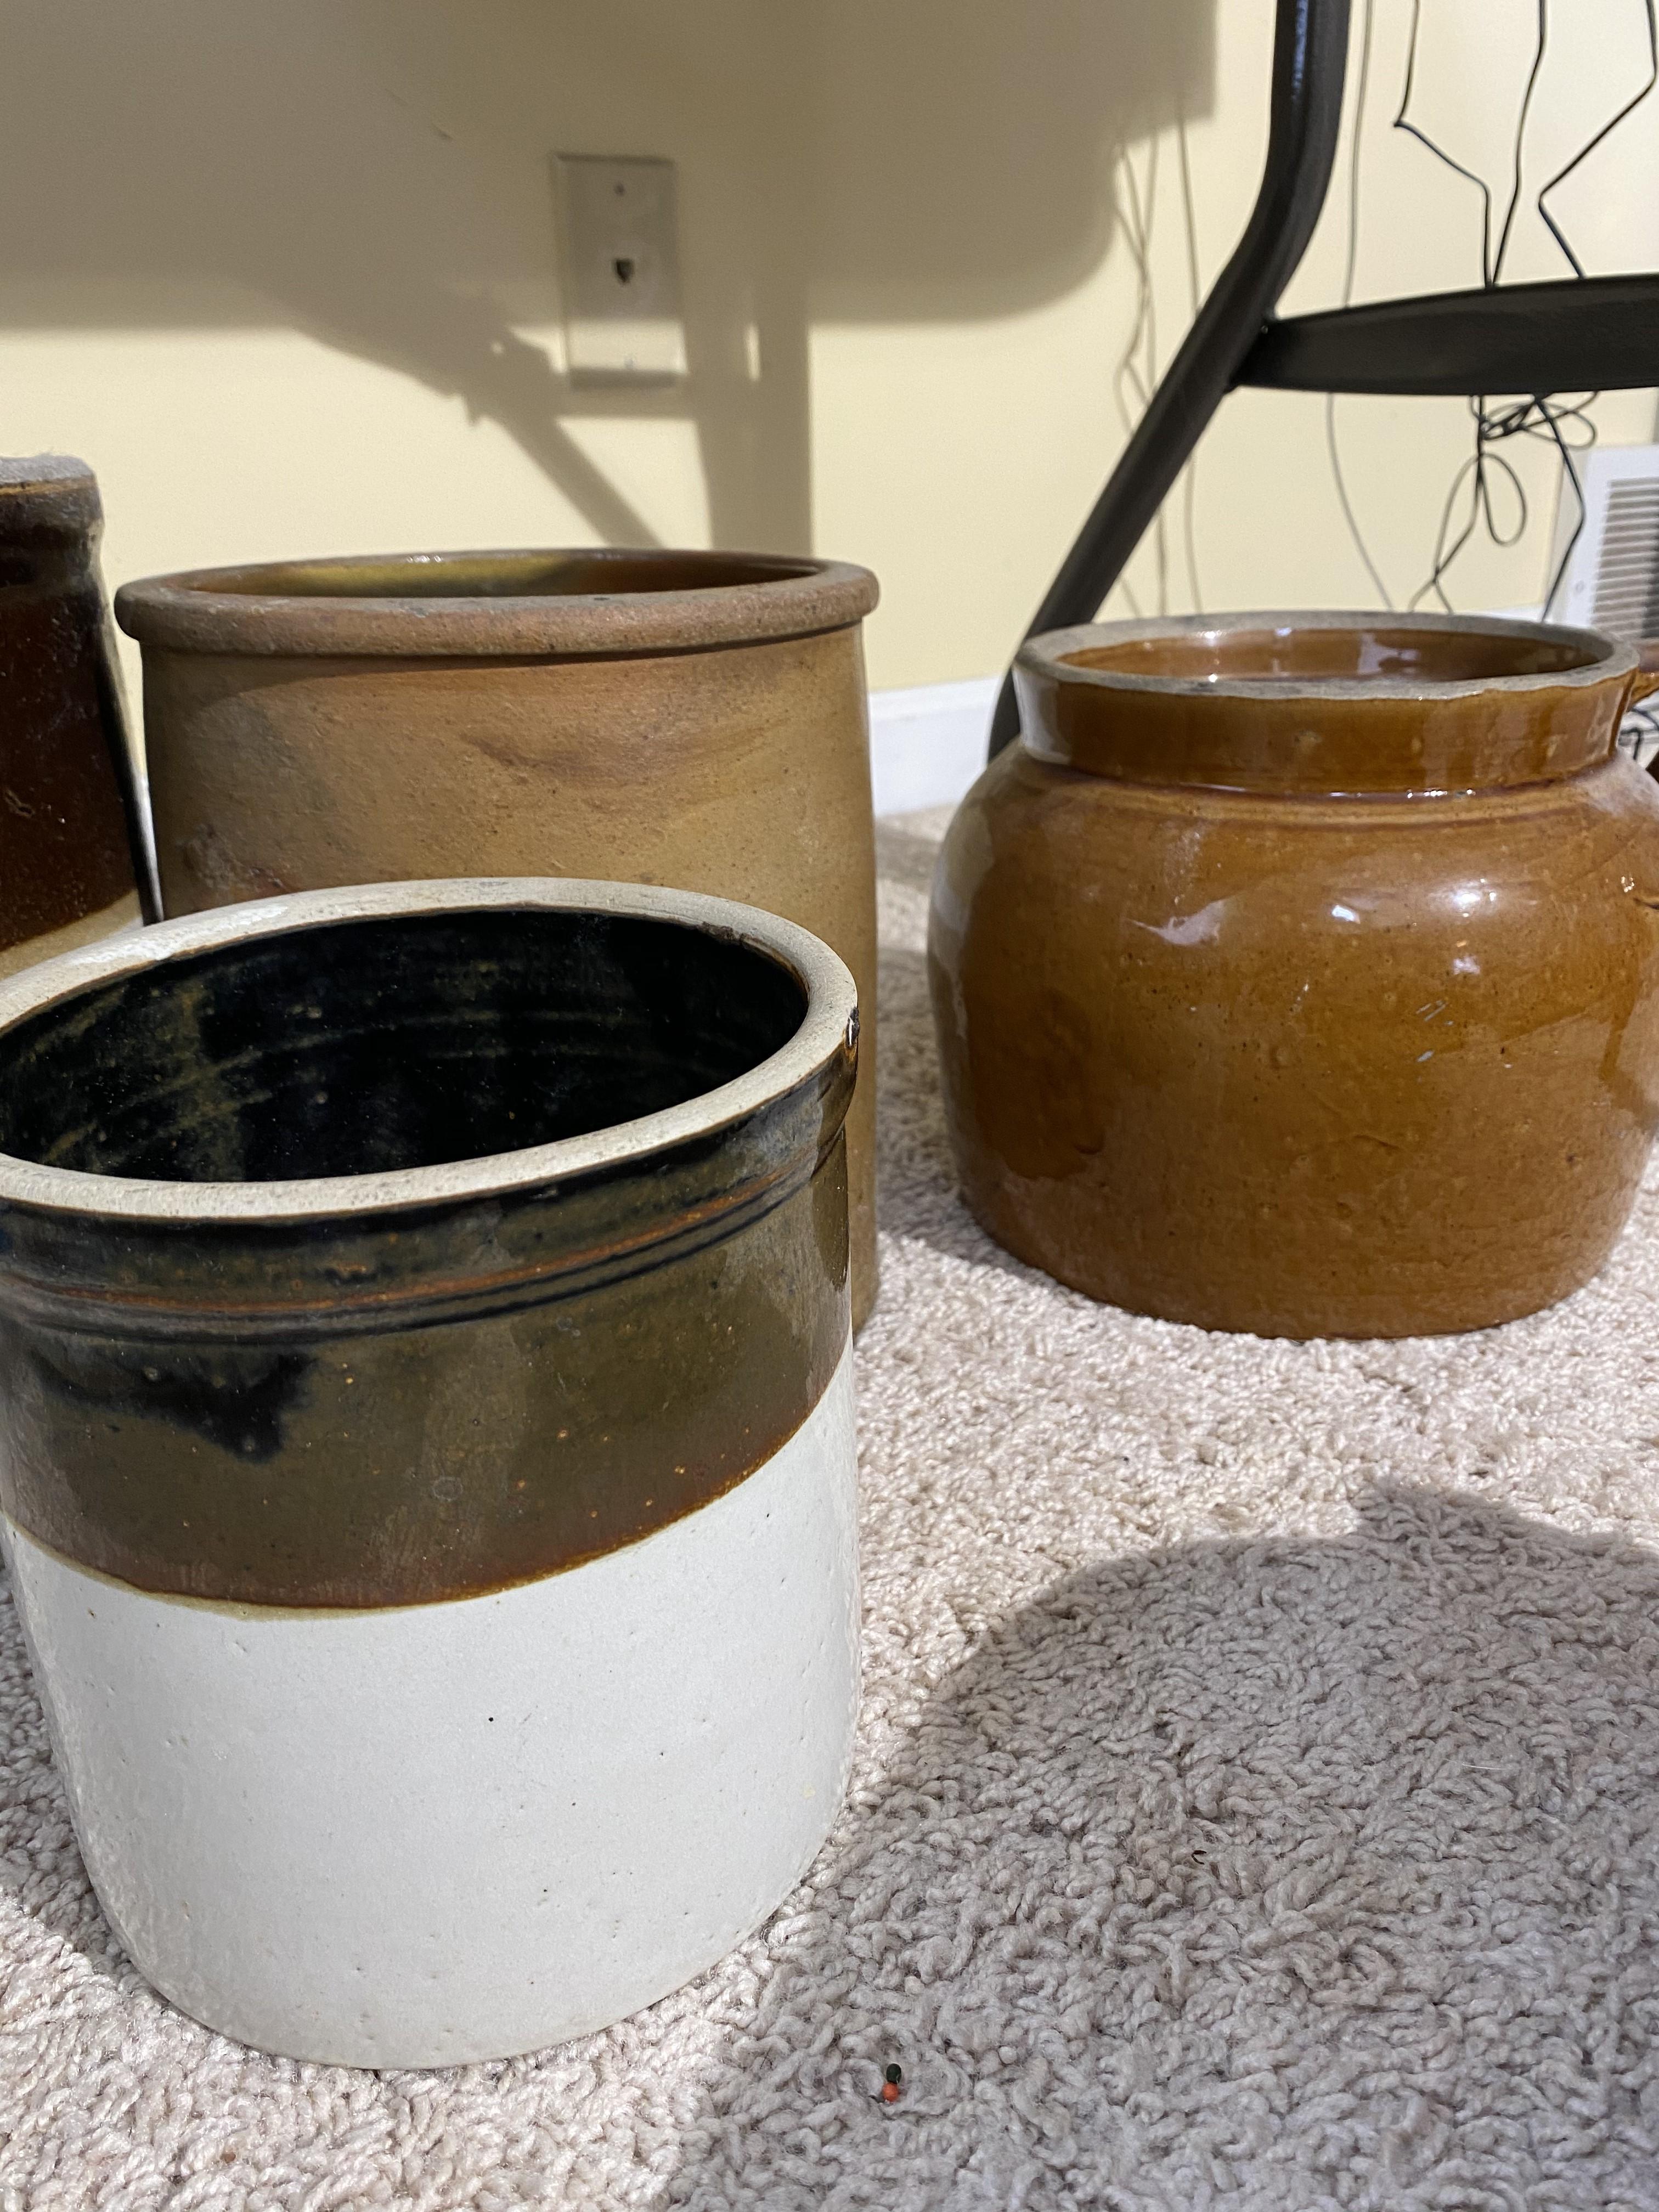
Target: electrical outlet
621 278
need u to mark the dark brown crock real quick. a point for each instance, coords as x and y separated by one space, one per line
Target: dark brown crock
73 865
1300 973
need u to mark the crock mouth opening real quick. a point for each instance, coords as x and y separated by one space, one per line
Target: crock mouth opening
1352 656
580 574
393 1047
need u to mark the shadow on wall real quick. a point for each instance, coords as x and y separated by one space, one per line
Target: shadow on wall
377 177
1274 1873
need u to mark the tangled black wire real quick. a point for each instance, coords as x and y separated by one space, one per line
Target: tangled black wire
1562 421
1548 418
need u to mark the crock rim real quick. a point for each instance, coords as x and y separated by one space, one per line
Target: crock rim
1046 655
198 610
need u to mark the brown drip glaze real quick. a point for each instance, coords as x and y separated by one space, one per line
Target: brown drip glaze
414 1465
399 1400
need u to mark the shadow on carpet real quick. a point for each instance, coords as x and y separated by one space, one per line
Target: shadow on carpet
1284 1874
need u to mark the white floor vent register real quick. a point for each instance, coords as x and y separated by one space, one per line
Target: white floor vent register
1612 582
1612 577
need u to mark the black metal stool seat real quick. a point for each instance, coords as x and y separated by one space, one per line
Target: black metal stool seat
1577 334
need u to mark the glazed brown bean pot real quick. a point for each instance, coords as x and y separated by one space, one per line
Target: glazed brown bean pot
1299 973
72 860
689 719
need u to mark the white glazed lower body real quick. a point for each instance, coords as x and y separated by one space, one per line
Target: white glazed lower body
427 1834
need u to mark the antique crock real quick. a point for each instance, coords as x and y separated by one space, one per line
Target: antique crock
73 861
426 1446
1300 973
685 718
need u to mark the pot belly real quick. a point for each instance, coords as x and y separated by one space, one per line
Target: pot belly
1302 1068
422 1835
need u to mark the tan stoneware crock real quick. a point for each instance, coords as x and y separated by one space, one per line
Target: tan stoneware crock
1300 973
678 718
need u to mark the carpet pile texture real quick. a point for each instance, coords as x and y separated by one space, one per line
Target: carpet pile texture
1256 1804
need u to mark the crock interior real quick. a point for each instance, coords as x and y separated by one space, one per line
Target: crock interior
1319 655
501 576
364 1046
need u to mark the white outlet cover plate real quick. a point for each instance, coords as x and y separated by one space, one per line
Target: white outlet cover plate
619 252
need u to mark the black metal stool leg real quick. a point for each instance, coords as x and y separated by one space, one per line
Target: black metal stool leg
1311 48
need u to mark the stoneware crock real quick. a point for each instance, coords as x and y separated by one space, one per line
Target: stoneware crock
426 1446
1300 973
74 865
685 718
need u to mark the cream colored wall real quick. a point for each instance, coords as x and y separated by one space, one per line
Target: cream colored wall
284 274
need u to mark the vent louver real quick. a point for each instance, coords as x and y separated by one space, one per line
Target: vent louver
1612 577
1626 603
1611 582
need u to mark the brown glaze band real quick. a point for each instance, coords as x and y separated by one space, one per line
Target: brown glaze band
418 1465
432 1382
594 601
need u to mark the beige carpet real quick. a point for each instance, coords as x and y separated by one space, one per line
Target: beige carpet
1257 1805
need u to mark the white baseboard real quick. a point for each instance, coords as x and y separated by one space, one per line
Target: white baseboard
927 743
